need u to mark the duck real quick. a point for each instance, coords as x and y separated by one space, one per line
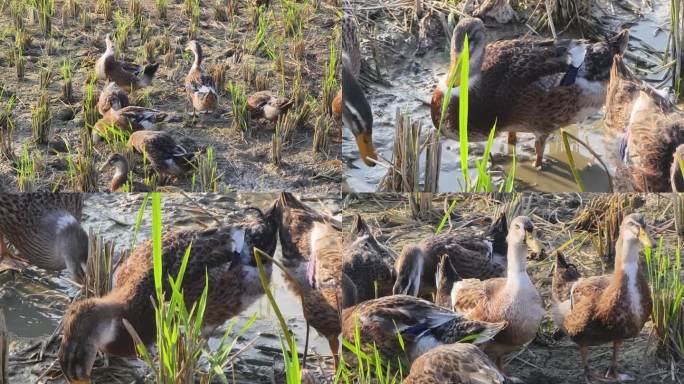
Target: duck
112 97
128 119
199 86
455 363
368 263
311 248
324 275
649 128
422 325
524 85
356 112
120 179
266 105
128 76
166 157
512 299
352 49
46 231
223 253
608 308
479 257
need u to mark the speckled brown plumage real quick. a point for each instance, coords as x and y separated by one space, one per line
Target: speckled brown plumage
478 257
128 76
166 157
224 253
649 129
603 309
45 230
368 263
199 87
128 119
456 363
266 105
518 84
112 97
422 324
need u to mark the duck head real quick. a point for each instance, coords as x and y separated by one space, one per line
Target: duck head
109 43
120 165
677 170
263 229
633 237
409 269
474 30
89 325
356 114
70 243
521 237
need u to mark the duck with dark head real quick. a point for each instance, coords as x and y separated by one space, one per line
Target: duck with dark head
224 253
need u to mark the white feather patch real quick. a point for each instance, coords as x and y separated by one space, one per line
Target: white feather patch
576 54
444 86
65 220
630 270
147 124
237 236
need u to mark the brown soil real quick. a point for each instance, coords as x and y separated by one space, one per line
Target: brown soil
244 163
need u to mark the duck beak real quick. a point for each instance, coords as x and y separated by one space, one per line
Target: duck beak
365 143
533 243
644 238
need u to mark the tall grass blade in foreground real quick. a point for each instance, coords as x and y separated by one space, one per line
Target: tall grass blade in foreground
667 291
180 343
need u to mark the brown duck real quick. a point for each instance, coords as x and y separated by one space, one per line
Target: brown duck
126 75
120 179
608 308
224 252
166 157
112 97
512 299
128 119
455 363
45 230
649 129
525 85
422 325
266 105
199 86
311 251
367 262
478 257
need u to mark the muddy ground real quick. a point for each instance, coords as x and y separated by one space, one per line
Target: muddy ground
34 302
244 163
399 74
545 360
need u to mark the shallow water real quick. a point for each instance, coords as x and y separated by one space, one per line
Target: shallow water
35 302
412 81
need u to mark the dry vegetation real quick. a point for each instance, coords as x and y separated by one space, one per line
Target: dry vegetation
48 92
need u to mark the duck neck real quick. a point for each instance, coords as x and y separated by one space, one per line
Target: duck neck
120 176
626 262
198 57
517 266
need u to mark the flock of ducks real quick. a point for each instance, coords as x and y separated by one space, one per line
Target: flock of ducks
485 303
538 86
167 157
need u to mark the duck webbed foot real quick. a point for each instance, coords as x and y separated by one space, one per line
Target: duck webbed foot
539 144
